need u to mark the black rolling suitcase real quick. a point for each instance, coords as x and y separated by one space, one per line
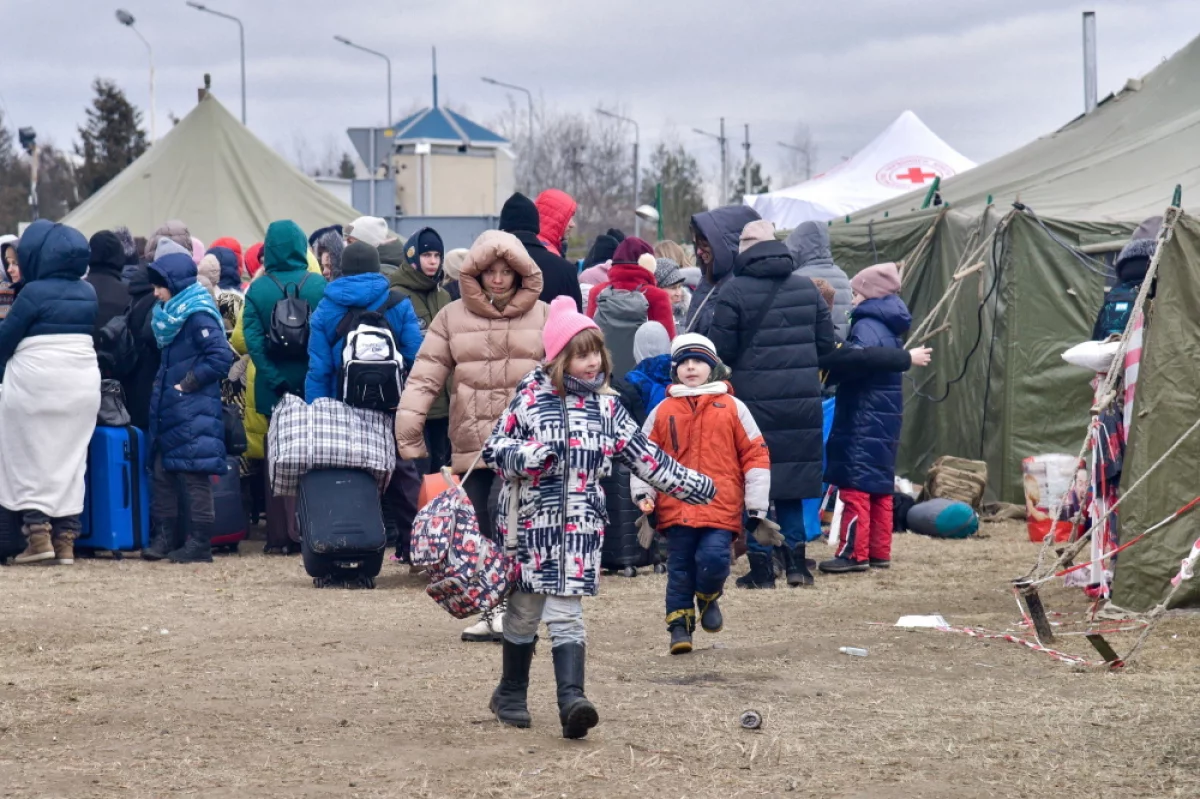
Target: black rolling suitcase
621 552
12 541
341 527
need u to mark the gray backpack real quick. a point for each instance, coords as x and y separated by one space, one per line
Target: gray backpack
619 313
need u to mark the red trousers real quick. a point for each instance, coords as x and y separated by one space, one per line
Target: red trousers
866 525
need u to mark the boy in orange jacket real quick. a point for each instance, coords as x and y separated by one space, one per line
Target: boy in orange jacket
704 427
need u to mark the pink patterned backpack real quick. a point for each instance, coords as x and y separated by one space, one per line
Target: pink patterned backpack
468 573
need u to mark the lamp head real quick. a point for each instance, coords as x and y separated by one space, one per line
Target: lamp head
197 6
341 39
647 213
125 18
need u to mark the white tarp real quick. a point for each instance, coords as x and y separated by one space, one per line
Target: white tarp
904 157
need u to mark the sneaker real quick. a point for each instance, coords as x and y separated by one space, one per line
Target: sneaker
489 628
880 563
843 566
38 547
681 640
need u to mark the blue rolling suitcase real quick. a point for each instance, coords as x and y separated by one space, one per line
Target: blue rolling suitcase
116 513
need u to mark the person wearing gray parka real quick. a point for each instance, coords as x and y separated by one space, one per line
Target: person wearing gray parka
809 245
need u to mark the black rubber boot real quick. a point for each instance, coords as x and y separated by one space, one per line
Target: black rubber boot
681 638
761 574
197 548
797 567
162 540
509 698
711 620
576 713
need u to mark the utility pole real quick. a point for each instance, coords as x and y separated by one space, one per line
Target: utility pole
722 141
28 139
746 178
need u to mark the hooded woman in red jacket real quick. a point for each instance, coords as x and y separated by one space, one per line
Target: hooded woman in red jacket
633 267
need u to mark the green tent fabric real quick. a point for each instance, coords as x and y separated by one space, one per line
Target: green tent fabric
998 389
214 174
1166 406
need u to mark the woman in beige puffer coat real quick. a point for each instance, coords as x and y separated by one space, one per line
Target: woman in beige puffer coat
486 343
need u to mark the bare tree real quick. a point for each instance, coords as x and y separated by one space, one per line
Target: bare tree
586 155
801 155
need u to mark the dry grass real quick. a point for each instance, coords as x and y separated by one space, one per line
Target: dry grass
262 686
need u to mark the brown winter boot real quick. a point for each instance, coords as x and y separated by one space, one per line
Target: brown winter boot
63 542
38 546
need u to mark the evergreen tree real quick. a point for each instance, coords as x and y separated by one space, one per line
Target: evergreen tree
111 140
346 167
682 188
759 183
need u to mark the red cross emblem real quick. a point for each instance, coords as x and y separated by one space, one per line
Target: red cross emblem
916 175
911 172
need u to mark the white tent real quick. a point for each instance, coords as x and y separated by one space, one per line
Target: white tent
904 157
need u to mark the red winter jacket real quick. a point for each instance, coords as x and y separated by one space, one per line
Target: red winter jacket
555 210
632 277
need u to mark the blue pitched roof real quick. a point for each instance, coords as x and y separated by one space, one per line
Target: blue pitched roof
442 124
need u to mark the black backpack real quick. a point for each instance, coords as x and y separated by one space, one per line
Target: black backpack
1117 308
287 334
374 381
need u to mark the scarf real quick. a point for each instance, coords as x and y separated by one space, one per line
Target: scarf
715 387
500 301
583 387
169 316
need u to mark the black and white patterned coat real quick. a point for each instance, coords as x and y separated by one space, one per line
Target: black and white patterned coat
553 450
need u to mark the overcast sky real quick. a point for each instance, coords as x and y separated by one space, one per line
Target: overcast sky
986 77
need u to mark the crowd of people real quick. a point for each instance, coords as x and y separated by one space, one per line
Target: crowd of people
525 372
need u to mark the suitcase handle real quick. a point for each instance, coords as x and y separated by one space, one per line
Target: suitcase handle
125 486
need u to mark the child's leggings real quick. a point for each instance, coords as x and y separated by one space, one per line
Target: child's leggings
697 565
562 614
866 525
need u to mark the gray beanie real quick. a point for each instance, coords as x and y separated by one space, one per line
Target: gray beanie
651 339
666 273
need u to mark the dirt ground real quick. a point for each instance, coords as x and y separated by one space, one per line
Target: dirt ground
241 680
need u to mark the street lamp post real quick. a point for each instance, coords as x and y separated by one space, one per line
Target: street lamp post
528 96
241 40
127 19
349 43
721 140
637 168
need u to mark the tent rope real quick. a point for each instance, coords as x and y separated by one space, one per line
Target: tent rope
918 252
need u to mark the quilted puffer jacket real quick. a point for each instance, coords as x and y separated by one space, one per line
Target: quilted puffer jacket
54 299
485 350
861 451
554 450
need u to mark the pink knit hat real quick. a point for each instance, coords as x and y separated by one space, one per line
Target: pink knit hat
197 250
877 281
563 324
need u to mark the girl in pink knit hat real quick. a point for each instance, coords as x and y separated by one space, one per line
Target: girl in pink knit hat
552 446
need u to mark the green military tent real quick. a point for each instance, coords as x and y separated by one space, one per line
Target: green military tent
1165 410
214 174
1032 276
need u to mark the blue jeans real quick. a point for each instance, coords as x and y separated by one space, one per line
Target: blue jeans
790 515
697 565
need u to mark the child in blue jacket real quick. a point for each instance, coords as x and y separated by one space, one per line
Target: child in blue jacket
860 456
187 423
361 284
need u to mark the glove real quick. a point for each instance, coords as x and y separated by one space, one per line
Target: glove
766 532
645 532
